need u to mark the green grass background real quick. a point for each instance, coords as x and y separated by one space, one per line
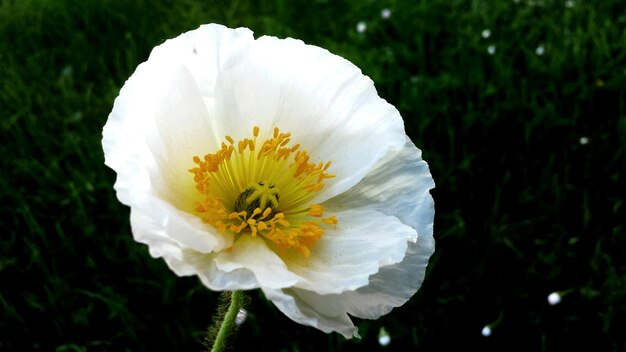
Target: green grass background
523 208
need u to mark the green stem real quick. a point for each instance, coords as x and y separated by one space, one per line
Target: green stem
236 302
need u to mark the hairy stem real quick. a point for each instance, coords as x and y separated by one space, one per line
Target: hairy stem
225 319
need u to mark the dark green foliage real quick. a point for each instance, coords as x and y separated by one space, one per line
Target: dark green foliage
523 208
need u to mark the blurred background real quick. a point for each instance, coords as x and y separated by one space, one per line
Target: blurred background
519 108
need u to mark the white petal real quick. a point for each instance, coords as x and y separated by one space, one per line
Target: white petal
160 117
205 52
251 253
300 312
399 184
180 131
325 101
150 177
184 261
345 257
216 279
150 232
389 288
182 227
248 265
160 121
393 285
140 143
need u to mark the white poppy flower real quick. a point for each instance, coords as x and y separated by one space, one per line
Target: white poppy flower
267 163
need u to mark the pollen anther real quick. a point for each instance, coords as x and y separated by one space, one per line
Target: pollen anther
263 193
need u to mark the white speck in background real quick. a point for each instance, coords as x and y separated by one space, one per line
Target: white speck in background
361 27
385 13
554 298
540 50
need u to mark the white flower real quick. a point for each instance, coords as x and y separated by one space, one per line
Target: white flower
486 331
491 49
267 163
385 13
583 141
486 33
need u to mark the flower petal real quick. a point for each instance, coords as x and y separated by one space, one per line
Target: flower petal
160 121
216 279
249 264
299 311
180 226
184 261
205 52
151 174
161 117
251 253
140 143
150 232
330 312
399 184
328 105
180 130
390 288
345 257
393 285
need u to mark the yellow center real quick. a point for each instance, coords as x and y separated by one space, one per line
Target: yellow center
264 191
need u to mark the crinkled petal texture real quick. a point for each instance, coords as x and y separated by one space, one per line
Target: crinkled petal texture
214 81
397 187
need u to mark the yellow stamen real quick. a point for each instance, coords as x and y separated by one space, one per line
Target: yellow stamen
316 210
331 220
265 192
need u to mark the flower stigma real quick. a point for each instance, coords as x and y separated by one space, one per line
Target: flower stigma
263 189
